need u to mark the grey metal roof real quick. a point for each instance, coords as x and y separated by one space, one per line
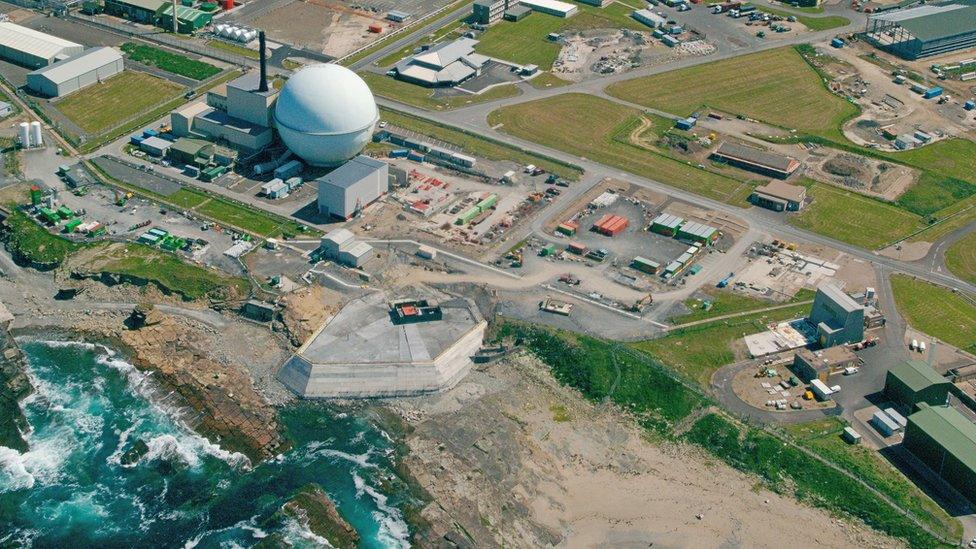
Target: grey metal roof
785 191
79 64
352 172
758 157
31 41
932 22
698 229
446 53
842 300
668 220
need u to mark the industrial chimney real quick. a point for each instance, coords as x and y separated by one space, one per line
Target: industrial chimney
264 63
176 28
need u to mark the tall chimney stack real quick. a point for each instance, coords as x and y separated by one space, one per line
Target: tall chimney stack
176 27
264 63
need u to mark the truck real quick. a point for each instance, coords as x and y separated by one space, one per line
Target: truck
745 9
727 6
725 281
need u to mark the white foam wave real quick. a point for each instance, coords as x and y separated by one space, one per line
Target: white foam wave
394 531
361 460
15 474
298 534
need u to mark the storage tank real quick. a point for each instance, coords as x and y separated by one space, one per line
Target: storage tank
36 138
23 132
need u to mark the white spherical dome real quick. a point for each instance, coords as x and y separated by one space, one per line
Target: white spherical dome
325 114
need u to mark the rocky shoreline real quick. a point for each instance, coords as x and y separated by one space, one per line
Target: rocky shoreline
14 387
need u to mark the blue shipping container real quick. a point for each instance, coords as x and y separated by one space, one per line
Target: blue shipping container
416 156
932 92
150 133
837 43
970 105
399 153
136 140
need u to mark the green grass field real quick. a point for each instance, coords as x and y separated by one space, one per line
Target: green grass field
813 23
933 193
786 91
875 225
478 145
548 80
599 130
30 242
525 42
187 198
697 351
419 96
961 258
726 302
102 106
937 311
954 157
170 62
234 49
824 437
249 219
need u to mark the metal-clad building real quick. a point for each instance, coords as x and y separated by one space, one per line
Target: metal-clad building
649 18
352 186
140 11
914 382
838 318
932 29
32 48
945 440
756 160
667 224
76 72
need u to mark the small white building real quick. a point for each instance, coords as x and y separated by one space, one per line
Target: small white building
155 146
33 49
884 423
551 7
353 186
649 18
76 72
342 246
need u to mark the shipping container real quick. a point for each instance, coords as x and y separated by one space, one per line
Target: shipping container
399 153
487 202
576 248
568 228
969 105
415 156
646 265
837 43
289 169
932 92
427 252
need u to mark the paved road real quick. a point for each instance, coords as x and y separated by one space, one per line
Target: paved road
935 259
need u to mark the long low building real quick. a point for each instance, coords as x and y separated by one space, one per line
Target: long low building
924 31
756 160
945 441
353 186
76 72
33 49
649 18
551 7
378 346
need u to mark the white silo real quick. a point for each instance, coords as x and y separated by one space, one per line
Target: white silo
36 138
23 132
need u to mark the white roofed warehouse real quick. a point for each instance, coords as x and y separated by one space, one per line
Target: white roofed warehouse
351 187
446 64
33 49
76 72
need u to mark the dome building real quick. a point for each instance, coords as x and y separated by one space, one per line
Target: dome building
325 114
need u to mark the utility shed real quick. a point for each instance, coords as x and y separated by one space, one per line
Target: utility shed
76 72
914 382
31 48
756 160
188 19
945 440
186 150
155 146
351 187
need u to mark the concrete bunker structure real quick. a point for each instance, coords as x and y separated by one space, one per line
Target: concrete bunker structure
387 346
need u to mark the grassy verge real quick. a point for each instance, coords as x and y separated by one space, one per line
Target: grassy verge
32 243
419 96
234 49
933 193
170 62
658 400
436 36
478 145
824 438
876 224
525 42
813 23
548 80
961 258
103 106
949 219
698 351
250 219
726 302
936 311
601 131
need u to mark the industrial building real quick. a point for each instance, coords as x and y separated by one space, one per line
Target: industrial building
76 72
487 12
838 318
351 187
384 346
446 64
551 7
191 152
923 31
779 196
666 224
140 11
645 265
342 246
33 49
6 109
517 13
945 441
809 365
756 160
697 232
188 20
649 18
155 146
914 382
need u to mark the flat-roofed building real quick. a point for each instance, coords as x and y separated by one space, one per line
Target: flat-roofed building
838 318
76 72
779 196
487 12
649 18
698 232
945 441
551 7
446 64
238 133
809 365
140 11
756 160
351 187
33 49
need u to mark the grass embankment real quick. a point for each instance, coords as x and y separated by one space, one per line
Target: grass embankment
478 145
961 258
170 62
525 42
659 401
813 23
449 31
548 80
698 351
27 241
419 96
824 438
107 104
234 49
874 225
600 130
937 311
725 302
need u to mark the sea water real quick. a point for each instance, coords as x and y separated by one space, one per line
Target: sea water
89 406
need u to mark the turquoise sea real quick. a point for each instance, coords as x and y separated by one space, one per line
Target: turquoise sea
90 406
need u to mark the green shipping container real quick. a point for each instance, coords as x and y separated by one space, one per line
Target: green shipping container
467 216
488 202
548 250
70 226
